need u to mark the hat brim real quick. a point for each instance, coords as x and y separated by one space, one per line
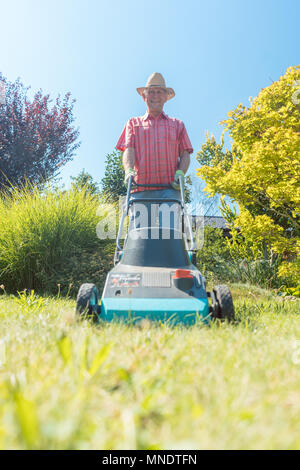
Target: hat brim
170 91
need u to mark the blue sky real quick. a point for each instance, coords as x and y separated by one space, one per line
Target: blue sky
215 54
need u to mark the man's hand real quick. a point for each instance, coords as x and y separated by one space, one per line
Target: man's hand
129 172
175 184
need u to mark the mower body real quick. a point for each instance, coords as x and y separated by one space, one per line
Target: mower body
154 277
156 280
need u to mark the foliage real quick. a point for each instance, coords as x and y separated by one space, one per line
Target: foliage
291 269
212 154
30 301
35 140
70 385
262 171
294 291
231 260
259 272
214 255
83 265
85 181
187 189
113 181
41 234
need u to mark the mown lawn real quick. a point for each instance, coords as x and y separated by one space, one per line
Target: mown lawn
66 384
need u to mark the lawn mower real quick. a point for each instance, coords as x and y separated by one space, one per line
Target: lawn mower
154 276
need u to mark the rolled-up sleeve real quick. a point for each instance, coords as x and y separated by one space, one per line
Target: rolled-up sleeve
126 138
184 141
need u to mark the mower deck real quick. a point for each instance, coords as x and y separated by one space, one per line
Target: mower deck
144 292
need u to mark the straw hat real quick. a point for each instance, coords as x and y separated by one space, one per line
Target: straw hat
156 80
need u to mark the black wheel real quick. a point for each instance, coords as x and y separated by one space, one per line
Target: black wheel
222 307
87 302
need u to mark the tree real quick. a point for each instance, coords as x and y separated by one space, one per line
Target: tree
262 171
113 182
35 141
85 180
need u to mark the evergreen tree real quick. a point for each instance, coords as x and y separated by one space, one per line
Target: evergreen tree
113 182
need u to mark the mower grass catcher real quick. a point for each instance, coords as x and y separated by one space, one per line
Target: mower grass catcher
154 276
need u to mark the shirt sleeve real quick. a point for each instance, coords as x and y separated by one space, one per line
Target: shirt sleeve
126 138
184 141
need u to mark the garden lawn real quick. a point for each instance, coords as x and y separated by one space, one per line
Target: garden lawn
68 384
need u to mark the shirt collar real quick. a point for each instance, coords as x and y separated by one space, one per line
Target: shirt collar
147 116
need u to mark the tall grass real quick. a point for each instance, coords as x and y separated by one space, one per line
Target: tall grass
262 273
218 264
39 232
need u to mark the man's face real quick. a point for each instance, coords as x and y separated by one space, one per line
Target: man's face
155 98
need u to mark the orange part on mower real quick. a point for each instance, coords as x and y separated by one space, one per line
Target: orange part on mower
182 273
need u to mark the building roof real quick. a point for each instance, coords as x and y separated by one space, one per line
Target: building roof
214 221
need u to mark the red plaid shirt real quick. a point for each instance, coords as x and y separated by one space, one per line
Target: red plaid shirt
158 142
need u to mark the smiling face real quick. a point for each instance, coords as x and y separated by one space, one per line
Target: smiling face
155 99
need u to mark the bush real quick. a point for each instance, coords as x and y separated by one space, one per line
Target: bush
47 238
219 263
259 272
214 255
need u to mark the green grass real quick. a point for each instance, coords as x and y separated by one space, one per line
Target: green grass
67 384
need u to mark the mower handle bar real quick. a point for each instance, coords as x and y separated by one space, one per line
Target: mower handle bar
157 200
163 185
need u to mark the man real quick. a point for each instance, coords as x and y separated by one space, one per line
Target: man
156 147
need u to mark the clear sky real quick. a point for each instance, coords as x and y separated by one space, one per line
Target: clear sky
215 54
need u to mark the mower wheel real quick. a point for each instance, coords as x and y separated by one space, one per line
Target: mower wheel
222 303
87 302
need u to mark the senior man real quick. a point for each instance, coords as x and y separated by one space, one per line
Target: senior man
156 148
